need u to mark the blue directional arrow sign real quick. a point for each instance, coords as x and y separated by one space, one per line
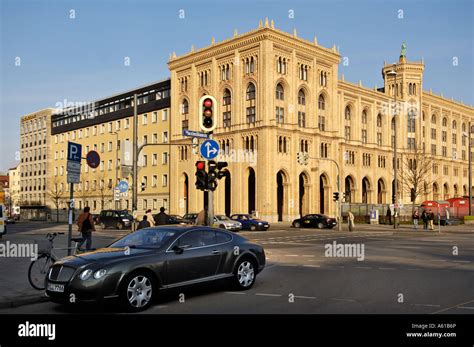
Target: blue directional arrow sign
209 149
122 186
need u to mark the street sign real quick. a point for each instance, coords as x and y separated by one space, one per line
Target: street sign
93 159
192 133
73 167
74 152
122 186
209 149
73 177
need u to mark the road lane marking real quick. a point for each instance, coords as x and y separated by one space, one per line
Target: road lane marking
291 255
363 267
305 297
348 300
264 294
461 261
387 268
236 293
312 265
439 260
466 307
310 256
427 305
455 306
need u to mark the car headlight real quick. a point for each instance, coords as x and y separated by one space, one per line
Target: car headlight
125 220
100 273
86 274
260 223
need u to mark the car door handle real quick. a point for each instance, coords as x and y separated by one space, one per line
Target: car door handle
215 252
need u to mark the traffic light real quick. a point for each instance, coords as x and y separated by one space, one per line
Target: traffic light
201 175
335 196
215 173
207 113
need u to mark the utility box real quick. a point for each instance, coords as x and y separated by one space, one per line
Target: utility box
374 216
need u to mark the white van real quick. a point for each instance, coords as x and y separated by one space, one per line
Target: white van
3 217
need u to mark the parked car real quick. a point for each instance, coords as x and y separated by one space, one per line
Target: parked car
191 216
225 222
250 223
96 218
10 220
175 219
3 224
319 221
118 219
138 266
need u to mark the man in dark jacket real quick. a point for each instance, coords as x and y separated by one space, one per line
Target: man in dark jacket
389 215
144 223
85 224
161 218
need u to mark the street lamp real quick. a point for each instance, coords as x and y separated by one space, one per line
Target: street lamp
393 73
116 169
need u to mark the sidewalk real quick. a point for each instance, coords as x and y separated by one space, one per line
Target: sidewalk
15 290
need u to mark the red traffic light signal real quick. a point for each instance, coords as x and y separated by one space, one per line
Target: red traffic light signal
200 165
207 112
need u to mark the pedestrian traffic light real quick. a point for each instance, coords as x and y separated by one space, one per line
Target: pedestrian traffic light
207 113
201 175
335 196
215 173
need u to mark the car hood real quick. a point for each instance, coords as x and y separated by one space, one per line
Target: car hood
104 256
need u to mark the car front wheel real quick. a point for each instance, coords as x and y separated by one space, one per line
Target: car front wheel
253 227
245 274
137 292
320 225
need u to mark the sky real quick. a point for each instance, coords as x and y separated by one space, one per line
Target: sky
75 51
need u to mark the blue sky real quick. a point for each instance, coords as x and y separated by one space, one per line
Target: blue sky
82 59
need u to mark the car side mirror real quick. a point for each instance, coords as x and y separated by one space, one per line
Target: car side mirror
177 249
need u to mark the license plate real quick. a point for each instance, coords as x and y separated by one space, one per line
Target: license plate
58 288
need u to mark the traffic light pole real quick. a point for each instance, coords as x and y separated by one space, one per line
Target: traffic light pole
210 202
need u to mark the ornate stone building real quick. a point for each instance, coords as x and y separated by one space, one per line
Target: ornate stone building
279 95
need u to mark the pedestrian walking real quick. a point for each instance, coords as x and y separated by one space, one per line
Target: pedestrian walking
162 218
85 225
144 223
431 219
416 217
350 220
149 218
424 217
447 216
389 215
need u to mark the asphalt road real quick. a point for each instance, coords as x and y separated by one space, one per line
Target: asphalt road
400 272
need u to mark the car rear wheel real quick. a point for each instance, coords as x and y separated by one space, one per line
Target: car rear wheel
253 227
103 226
119 226
137 292
222 226
297 224
320 225
245 274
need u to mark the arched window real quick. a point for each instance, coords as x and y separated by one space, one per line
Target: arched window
301 97
379 120
364 117
433 119
463 126
251 91
347 113
185 107
445 121
321 102
455 125
279 92
226 98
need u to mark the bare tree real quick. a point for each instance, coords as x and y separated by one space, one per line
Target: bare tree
103 188
82 193
415 174
56 193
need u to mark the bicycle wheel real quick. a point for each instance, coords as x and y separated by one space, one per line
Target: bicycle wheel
38 270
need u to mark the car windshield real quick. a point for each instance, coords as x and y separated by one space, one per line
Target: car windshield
123 213
223 218
146 238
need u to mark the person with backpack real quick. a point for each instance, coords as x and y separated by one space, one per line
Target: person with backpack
85 224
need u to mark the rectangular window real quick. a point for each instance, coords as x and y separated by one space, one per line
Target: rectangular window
250 112
165 137
155 181
379 139
145 119
226 116
280 115
154 117
127 123
164 115
109 147
164 159
347 132
155 138
433 149
155 159
364 136
301 119
145 160
165 181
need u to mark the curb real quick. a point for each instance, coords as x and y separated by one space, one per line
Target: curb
24 300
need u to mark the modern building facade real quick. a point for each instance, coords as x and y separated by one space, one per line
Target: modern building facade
279 95
35 143
106 126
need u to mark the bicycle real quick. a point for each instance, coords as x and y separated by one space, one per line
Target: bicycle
39 268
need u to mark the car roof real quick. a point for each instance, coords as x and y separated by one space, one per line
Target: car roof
184 228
